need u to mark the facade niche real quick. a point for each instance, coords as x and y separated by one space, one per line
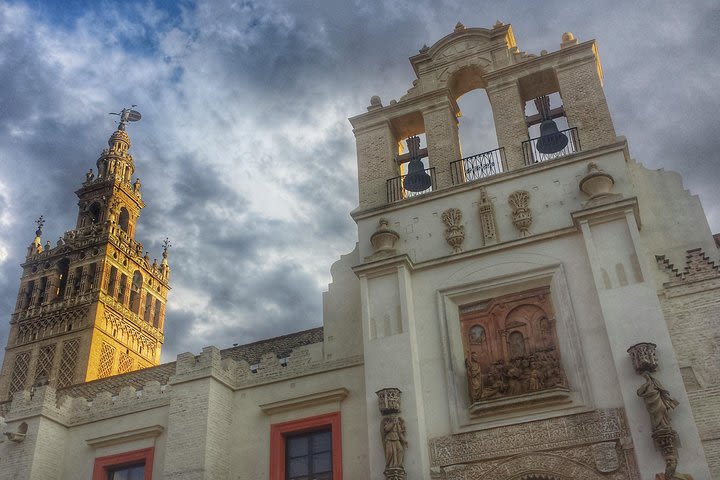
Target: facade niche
511 349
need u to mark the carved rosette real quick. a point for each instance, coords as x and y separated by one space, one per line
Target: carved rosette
643 357
455 231
392 433
521 214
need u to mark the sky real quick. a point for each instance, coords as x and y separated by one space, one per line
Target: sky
244 151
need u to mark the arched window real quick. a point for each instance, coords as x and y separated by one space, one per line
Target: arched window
94 213
112 280
63 270
135 290
121 288
124 220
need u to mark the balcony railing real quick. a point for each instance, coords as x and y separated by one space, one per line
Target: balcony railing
478 166
396 191
532 156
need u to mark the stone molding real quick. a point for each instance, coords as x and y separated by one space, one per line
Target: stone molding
603 425
125 436
304 401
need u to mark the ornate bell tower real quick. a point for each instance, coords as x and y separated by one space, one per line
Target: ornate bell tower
94 304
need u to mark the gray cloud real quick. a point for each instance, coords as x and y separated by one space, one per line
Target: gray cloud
244 150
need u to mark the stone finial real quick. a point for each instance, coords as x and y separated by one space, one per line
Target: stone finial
521 214
424 48
459 27
498 24
384 239
455 231
375 103
568 40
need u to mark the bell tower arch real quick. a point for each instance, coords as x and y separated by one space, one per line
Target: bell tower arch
93 305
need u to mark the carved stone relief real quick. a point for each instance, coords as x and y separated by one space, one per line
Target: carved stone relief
455 231
511 348
488 223
577 446
521 214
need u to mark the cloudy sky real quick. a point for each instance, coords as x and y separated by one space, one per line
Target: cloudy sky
244 150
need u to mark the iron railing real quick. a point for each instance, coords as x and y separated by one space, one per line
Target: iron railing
478 166
532 156
396 191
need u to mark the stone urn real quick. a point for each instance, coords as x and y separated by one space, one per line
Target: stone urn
384 239
522 219
596 183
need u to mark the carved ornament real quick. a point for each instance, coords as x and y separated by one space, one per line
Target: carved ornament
521 214
455 231
392 432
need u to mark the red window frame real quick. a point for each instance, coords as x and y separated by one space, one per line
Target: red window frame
104 464
279 431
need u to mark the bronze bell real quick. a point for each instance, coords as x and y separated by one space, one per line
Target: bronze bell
417 179
551 140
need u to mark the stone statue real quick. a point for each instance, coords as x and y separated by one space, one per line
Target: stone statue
472 366
89 176
657 402
393 436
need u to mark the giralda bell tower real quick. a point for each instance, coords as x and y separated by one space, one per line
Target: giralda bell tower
93 305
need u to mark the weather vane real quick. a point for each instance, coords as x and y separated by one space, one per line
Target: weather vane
40 222
127 115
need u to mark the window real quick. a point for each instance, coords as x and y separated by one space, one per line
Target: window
307 449
135 465
63 270
124 220
135 288
112 278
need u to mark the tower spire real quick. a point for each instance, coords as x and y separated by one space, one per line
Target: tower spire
36 246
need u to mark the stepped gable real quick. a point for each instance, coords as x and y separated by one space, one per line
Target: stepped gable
251 353
716 237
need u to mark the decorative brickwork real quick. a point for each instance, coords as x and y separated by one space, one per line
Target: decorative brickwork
107 357
68 361
125 363
45 361
19 373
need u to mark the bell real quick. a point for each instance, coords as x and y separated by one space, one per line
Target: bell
417 179
551 140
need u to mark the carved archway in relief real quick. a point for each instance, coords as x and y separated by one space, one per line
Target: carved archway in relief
543 466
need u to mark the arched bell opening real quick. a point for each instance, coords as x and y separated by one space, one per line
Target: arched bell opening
550 135
124 220
476 127
63 267
135 289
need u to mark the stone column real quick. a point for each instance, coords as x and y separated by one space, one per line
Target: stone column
443 143
584 101
509 115
376 151
632 314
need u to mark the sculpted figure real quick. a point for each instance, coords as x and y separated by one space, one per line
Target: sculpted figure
657 402
393 437
472 366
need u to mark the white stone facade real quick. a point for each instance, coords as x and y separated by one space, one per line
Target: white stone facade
628 258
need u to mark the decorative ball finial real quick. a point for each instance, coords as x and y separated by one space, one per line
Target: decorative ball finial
40 222
568 40
375 103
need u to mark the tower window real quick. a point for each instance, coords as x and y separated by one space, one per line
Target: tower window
121 288
94 213
92 271
41 291
156 318
112 279
63 268
148 307
76 280
135 289
124 220
28 293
